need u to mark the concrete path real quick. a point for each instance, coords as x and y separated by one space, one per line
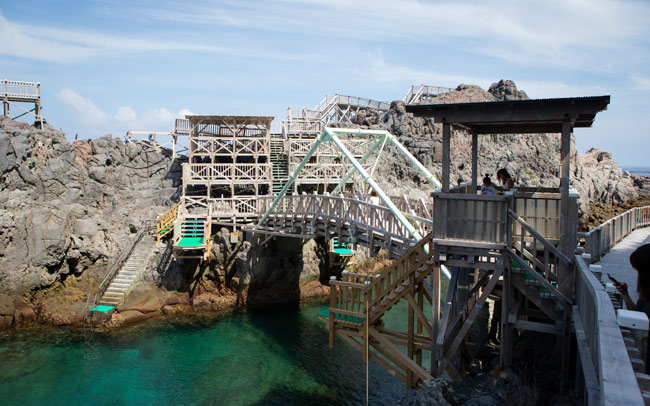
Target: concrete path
617 261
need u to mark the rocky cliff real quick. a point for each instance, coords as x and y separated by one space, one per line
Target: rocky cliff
68 208
533 160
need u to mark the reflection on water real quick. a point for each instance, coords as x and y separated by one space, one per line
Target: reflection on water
275 356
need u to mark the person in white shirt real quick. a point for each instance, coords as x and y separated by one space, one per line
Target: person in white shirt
374 199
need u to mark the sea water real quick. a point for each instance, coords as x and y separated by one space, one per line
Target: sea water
638 170
275 356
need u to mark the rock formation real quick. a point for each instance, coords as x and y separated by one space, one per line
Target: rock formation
68 208
533 160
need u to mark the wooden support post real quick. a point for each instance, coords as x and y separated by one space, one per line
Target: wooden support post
474 161
565 279
418 330
435 320
446 155
331 320
507 306
458 338
410 382
5 103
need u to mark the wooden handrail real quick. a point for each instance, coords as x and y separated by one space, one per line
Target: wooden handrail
165 220
539 237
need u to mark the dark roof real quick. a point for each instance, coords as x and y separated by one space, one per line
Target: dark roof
515 116
231 120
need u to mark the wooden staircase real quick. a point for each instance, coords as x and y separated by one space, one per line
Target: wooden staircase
357 303
279 164
192 236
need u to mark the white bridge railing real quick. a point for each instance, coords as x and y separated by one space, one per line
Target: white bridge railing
17 90
363 216
423 93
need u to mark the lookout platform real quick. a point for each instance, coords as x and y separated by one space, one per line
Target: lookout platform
15 91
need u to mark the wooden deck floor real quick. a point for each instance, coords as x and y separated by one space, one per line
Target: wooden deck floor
617 261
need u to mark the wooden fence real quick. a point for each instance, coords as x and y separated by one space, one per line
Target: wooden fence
604 364
601 239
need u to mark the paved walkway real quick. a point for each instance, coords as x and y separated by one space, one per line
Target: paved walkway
617 261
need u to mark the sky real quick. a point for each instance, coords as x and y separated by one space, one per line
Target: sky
108 66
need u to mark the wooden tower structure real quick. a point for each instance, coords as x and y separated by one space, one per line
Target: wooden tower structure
517 247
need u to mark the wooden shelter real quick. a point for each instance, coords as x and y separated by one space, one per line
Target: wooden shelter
522 241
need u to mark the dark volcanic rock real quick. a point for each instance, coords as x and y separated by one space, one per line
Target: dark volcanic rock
67 207
507 90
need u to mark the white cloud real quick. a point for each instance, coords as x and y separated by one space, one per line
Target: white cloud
537 89
381 71
595 35
640 82
94 120
70 45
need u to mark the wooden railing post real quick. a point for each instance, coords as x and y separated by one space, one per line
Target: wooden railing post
332 306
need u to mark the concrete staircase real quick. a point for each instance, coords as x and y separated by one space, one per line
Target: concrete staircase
129 273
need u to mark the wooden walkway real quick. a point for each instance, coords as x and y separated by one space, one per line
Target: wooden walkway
617 261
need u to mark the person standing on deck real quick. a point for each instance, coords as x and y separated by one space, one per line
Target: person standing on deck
505 179
374 199
640 260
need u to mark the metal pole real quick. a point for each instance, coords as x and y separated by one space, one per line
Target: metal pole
391 206
353 170
323 136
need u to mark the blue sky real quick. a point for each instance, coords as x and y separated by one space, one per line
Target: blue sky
113 66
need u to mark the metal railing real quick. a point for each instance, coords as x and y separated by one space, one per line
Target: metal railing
423 93
601 239
147 227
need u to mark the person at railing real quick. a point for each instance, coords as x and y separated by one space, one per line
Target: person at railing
374 199
488 188
640 260
505 179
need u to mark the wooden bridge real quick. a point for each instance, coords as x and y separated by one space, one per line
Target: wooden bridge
518 248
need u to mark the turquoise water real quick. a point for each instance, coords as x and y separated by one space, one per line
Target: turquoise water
276 356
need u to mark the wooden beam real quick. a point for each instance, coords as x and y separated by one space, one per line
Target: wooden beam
474 162
470 319
409 363
536 326
418 311
565 156
435 317
446 156
350 339
451 289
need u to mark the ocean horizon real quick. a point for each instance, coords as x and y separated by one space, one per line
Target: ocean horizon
638 170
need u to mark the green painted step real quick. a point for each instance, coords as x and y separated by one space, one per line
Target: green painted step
343 251
190 242
353 319
102 308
